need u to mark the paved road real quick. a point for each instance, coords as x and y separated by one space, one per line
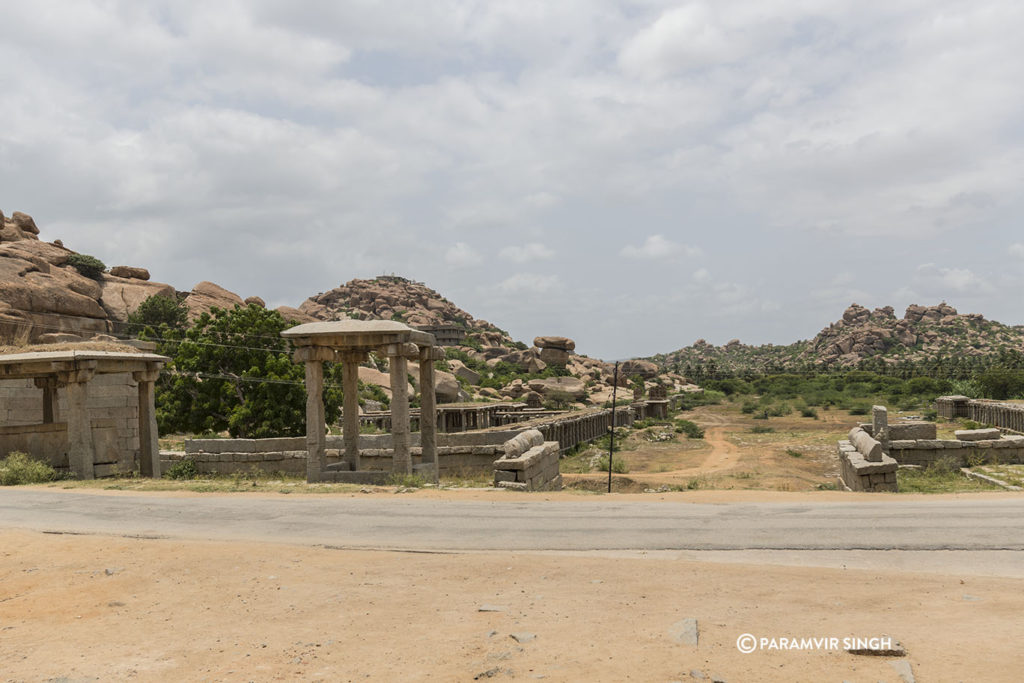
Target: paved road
605 525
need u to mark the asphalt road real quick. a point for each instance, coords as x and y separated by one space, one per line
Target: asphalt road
600 525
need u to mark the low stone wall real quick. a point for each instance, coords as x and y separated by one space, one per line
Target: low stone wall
459 452
862 464
44 441
529 464
924 452
456 452
860 474
907 430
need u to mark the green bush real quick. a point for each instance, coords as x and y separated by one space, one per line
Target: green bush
18 468
183 469
89 266
691 429
761 429
808 411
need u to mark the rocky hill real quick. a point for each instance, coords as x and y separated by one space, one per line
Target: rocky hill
396 298
46 298
877 338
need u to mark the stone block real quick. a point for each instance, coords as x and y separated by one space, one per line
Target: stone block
504 475
868 446
977 434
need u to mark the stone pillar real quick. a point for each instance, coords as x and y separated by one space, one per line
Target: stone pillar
316 424
149 445
399 368
81 451
880 426
49 387
350 408
428 410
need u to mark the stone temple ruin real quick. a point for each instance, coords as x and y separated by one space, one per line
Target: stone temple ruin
873 452
89 413
350 342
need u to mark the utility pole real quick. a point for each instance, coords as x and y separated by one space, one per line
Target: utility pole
611 440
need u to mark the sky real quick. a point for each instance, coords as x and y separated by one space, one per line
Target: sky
632 174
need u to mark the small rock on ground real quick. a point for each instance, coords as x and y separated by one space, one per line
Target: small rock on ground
522 637
902 667
684 631
490 608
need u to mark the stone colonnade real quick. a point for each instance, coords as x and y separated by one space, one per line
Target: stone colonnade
573 430
1003 415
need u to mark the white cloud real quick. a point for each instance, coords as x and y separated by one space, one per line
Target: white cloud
941 281
326 141
530 283
462 255
658 247
532 251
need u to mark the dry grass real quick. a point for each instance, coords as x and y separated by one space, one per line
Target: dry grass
70 346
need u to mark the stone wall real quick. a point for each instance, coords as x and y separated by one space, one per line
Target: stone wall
924 452
529 464
863 466
113 411
456 452
907 430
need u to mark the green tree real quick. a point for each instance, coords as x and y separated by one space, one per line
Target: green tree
232 370
156 312
1001 383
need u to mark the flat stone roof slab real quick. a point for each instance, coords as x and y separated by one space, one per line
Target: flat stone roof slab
357 334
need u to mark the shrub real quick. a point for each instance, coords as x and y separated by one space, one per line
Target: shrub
793 453
691 429
89 266
761 429
808 411
183 469
944 466
409 481
619 465
18 468
859 409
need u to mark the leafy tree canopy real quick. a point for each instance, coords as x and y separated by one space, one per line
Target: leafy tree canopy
233 371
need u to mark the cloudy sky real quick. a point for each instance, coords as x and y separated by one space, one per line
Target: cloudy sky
632 174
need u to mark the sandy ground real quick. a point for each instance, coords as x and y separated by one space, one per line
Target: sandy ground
82 608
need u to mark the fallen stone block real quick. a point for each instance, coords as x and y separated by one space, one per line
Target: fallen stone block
977 434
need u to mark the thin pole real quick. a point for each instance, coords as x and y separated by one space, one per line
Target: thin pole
611 441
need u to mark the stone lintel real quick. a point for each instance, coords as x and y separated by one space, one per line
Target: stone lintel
307 354
406 350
